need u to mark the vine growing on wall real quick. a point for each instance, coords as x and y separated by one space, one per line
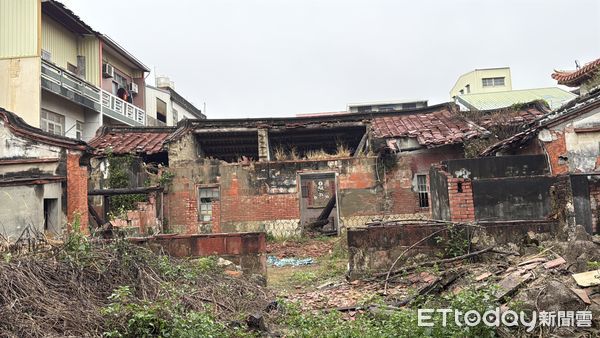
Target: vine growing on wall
119 176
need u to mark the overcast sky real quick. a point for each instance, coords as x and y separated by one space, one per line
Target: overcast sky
252 58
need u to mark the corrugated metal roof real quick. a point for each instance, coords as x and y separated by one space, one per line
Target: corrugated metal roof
130 140
554 96
436 128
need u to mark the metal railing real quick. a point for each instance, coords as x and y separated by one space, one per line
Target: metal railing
64 83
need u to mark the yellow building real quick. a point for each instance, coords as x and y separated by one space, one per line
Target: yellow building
59 74
486 80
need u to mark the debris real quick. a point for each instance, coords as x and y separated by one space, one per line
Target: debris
534 260
511 283
256 321
554 263
589 278
483 276
432 263
325 285
233 273
529 266
583 295
289 261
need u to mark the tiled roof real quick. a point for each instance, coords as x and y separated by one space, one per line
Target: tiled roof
554 96
439 127
525 115
574 78
570 110
128 140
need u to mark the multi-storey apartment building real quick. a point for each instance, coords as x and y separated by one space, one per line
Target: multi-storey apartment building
59 74
166 107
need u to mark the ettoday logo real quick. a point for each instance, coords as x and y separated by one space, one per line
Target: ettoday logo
496 317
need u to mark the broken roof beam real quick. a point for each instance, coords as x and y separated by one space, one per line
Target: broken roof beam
225 130
124 191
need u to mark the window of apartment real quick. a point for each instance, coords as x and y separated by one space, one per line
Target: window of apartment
161 110
492 81
422 191
118 82
461 92
52 122
364 109
206 198
78 130
409 106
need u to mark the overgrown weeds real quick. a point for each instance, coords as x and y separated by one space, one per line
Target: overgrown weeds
77 288
401 323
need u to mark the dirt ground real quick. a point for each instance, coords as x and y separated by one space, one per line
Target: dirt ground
323 284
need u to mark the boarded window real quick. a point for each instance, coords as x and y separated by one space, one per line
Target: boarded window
422 190
206 197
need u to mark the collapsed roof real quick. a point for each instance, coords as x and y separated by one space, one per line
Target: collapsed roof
130 140
572 109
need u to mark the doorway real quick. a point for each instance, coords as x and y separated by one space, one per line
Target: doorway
51 223
318 202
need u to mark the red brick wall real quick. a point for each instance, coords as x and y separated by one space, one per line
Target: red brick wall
462 208
404 197
77 189
556 149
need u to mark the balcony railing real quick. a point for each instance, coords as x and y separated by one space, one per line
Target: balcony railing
113 105
79 91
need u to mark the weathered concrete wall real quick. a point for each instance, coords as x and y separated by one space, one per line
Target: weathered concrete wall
502 166
31 171
247 250
493 189
23 206
374 249
512 198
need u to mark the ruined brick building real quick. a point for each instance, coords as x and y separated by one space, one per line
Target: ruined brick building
43 180
280 174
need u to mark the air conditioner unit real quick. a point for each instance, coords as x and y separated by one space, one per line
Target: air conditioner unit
108 70
133 88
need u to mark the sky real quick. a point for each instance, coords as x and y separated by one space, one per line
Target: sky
268 58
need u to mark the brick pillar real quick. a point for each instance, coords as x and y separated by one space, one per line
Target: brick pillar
460 194
77 189
263 145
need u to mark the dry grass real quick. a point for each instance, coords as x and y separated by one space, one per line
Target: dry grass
61 292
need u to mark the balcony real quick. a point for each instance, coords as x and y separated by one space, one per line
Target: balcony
63 83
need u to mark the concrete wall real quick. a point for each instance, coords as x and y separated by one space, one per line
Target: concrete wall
374 249
20 87
23 206
513 198
492 189
61 177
